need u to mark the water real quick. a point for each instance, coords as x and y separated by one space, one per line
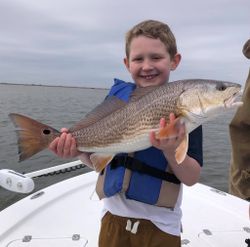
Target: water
62 107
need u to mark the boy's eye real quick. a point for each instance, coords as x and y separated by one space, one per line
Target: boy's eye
137 59
156 57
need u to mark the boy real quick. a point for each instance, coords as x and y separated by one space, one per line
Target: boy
133 217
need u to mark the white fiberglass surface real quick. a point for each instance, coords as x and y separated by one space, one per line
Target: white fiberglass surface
69 208
68 214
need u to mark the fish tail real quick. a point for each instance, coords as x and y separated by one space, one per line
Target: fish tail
32 135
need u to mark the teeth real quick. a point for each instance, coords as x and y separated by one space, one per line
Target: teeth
148 77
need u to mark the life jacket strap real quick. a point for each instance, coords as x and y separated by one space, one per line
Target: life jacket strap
139 166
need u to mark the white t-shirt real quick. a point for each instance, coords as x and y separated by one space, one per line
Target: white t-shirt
167 220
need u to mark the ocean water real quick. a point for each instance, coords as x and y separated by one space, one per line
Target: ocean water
62 107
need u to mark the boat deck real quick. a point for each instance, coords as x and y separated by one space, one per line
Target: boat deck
68 214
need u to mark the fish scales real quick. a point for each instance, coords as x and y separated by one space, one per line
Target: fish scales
137 117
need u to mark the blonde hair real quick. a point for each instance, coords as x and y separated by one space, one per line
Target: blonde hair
152 29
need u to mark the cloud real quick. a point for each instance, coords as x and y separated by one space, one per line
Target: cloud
82 42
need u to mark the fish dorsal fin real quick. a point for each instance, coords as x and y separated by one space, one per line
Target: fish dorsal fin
108 106
140 92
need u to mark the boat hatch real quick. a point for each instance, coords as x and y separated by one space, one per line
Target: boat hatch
33 241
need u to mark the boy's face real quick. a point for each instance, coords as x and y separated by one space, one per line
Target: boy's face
149 62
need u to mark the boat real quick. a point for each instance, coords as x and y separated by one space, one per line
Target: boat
68 214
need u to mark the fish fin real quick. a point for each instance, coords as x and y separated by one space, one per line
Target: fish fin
140 92
100 161
170 130
108 106
181 150
32 135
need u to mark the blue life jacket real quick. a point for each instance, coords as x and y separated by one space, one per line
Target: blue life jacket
142 187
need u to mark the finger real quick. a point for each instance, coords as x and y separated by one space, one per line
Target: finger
162 122
67 146
153 140
64 130
53 145
61 142
180 137
171 117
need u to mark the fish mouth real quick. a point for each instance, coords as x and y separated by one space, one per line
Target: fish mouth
232 101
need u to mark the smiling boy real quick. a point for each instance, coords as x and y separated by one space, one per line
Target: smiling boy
147 211
148 61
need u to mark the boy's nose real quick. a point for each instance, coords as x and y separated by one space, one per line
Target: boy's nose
147 65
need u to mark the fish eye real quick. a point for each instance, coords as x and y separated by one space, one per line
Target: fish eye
221 87
46 131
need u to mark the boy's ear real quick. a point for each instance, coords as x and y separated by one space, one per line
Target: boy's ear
175 61
126 62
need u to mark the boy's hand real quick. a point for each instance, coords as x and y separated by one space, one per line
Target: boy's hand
65 145
168 145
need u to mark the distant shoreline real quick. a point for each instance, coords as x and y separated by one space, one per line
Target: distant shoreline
44 85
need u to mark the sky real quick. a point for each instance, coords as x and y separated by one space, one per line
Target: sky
81 43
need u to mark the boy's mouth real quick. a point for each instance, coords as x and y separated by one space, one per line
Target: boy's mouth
149 77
